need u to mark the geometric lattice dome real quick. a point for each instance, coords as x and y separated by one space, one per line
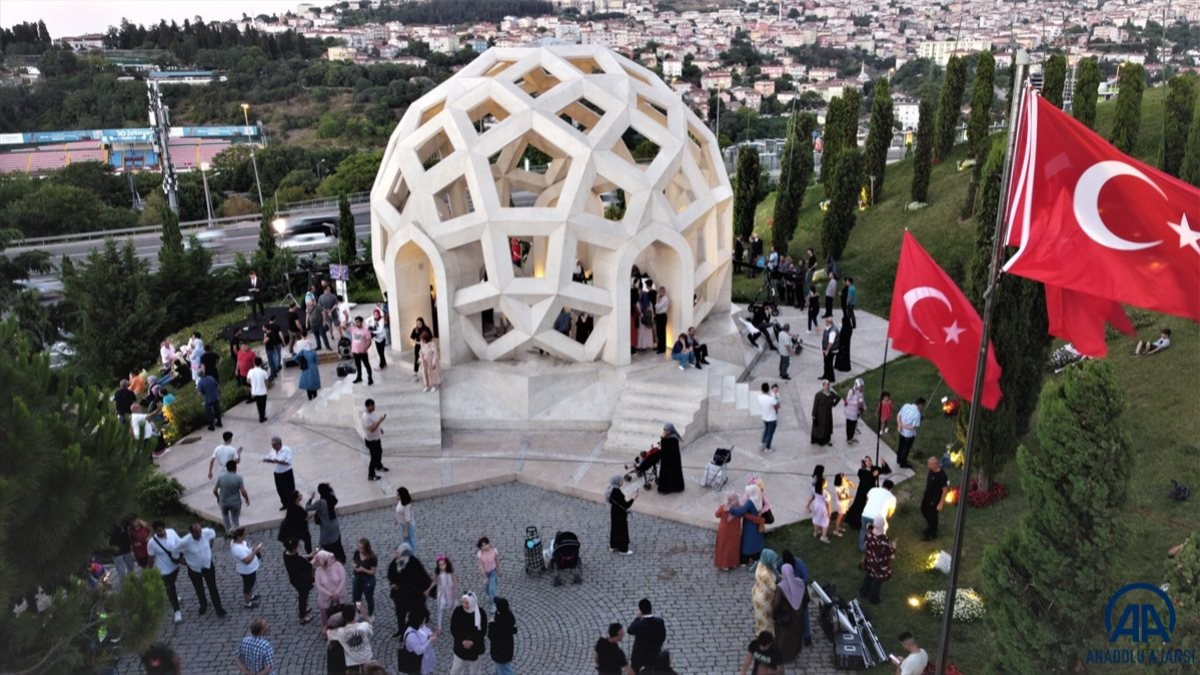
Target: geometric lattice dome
539 147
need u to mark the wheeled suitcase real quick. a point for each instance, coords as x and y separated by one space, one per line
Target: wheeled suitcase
534 560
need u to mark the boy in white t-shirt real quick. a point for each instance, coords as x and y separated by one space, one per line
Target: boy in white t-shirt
768 405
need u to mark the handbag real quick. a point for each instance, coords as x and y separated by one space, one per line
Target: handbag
648 319
768 517
407 662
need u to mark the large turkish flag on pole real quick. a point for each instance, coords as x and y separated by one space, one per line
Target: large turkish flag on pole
931 318
1099 225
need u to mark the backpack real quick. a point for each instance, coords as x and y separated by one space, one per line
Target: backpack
1181 492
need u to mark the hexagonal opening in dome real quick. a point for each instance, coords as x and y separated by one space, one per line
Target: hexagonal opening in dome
587 65
434 150
654 110
537 81
700 151
486 114
498 67
679 192
454 200
398 195
529 172
635 148
582 114
432 111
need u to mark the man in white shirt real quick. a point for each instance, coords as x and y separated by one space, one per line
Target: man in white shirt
372 425
223 453
355 638
907 421
285 480
768 405
196 548
662 304
162 548
881 504
257 377
784 345
917 659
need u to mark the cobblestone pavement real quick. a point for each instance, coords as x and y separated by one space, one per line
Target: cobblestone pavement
707 612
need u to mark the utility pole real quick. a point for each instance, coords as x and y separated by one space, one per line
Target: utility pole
160 122
253 161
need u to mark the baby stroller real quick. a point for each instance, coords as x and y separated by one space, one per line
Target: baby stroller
564 555
645 466
714 474
534 557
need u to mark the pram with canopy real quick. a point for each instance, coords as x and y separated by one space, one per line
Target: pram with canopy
564 555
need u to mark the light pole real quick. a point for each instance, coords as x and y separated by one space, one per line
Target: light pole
204 167
253 161
872 177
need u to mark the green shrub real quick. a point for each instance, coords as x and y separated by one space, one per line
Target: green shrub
159 494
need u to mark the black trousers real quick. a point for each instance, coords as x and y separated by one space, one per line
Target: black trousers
660 330
828 306
375 448
302 600
814 309
848 313
903 448
930 511
828 373
169 584
870 589
256 303
701 353
208 576
285 486
379 347
417 357
261 402
362 360
851 425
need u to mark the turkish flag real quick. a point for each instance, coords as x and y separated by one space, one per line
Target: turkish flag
932 319
1090 220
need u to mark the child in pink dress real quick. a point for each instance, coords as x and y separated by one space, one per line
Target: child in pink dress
885 411
489 566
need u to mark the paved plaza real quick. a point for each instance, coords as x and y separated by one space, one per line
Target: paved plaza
707 612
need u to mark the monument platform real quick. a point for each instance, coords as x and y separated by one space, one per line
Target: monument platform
537 420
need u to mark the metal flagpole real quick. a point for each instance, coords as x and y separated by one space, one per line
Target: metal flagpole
1020 62
879 407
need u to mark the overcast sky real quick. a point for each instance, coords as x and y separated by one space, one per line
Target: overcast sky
75 17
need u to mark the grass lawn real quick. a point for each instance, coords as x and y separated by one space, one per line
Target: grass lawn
1161 420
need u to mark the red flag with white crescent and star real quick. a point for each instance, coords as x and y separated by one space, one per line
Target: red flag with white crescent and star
1098 227
932 319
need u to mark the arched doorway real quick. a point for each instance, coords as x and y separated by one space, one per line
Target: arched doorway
667 267
414 294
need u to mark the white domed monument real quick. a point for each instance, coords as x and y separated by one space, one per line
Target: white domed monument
536 148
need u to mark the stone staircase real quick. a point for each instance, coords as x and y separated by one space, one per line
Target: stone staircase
654 398
414 418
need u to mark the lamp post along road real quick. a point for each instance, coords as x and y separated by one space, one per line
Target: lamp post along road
253 161
204 167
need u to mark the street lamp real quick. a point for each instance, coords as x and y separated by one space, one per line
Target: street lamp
253 161
204 167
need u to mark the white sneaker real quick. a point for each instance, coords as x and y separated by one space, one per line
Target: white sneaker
629 552
178 616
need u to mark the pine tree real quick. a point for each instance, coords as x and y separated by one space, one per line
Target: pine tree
1177 117
977 125
1087 84
923 154
745 191
832 141
794 174
879 137
171 248
1128 119
1020 336
1054 78
118 320
71 470
182 278
843 206
949 107
1190 169
266 233
1041 578
347 237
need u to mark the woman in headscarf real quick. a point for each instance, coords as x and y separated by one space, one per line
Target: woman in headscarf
752 528
408 583
768 517
763 595
468 627
791 602
295 523
868 477
310 374
670 465
618 528
729 534
822 414
330 579
842 360
327 520
855 404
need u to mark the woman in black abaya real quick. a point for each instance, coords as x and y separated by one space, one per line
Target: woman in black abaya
670 467
842 360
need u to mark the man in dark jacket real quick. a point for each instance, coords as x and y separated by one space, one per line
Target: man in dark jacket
409 582
649 633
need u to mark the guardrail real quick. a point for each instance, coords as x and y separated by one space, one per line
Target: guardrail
357 201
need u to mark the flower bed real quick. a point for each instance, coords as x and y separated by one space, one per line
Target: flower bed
981 498
968 605
931 669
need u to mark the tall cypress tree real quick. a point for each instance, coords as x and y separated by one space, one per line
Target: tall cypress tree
832 141
347 237
1020 336
949 107
923 154
794 174
1128 119
170 249
1190 169
1087 86
266 233
745 191
843 206
977 124
1041 578
1177 117
1054 78
879 137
